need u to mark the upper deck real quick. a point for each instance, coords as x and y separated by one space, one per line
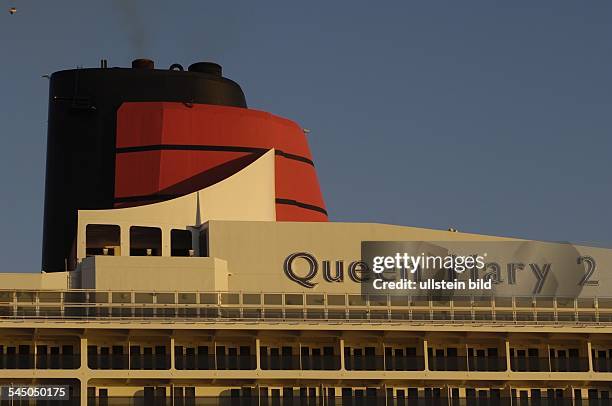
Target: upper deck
382 311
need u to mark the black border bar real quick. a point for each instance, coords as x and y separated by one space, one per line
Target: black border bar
219 148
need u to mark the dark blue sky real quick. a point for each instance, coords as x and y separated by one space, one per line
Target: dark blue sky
492 117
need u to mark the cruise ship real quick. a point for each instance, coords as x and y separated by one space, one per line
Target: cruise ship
188 259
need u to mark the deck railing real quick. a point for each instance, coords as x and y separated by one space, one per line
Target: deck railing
220 306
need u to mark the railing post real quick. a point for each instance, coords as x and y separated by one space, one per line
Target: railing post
83 391
14 303
508 360
384 390
257 354
342 361
83 353
508 393
215 353
384 357
300 356
35 351
172 354
590 354
425 355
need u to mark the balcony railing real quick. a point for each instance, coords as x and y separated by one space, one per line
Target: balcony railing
545 364
364 362
131 361
236 362
46 361
16 361
384 363
304 363
602 364
571 364
321 363
406 363
201 362
489 364
206 362
58 361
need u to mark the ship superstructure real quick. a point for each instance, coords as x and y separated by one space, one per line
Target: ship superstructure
176 219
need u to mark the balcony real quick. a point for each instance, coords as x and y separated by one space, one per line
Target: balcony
200 362
58 361
321 363
17 361
571 364
602 364
48 361
364 362
485 364
535 364
205 362
405 363
303 363
236 362
134 361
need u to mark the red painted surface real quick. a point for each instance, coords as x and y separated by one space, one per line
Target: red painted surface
150 172
286 212
178 172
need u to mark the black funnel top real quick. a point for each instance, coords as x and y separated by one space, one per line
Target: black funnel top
210 68
81 136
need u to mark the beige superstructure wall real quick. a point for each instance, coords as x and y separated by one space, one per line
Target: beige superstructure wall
35 281
249 256
255 252
186 274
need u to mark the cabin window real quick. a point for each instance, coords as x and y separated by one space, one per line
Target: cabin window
586 303
230 298
503 302
187 298
544 302
209 298
180 243
315 300
102 239
144 297
565 303
356 300
145 241
399 300
336 300
122 297
165 298
294 299
273 299
251 298
378 300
